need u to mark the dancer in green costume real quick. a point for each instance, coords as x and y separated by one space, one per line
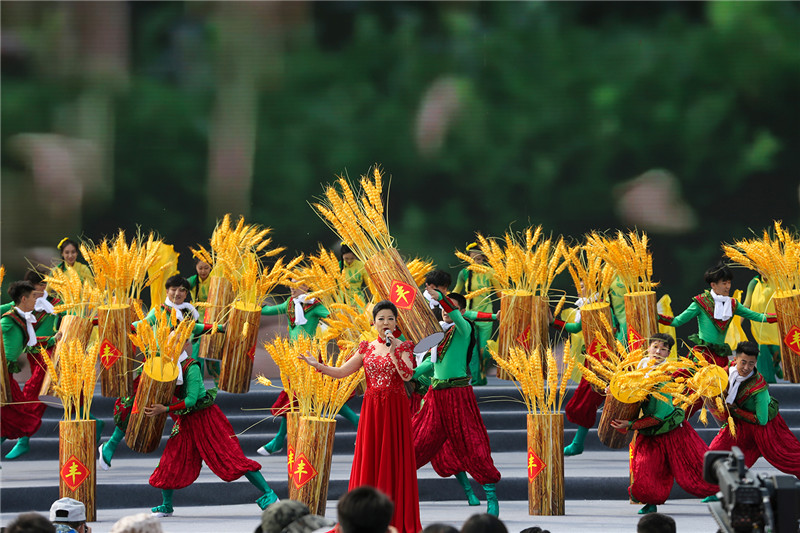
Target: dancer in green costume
304 316
201 433
21 328
714 310
448 430
177 293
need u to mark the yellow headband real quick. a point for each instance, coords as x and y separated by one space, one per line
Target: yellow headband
472 245
62 241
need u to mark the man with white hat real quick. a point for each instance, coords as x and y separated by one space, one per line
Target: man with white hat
69 515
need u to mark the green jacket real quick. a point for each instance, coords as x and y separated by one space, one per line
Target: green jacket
313 312
659 417
753 403
451 363
711 330
15 338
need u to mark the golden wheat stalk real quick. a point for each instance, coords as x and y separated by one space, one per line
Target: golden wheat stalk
357 217
521 263
776 257
628 255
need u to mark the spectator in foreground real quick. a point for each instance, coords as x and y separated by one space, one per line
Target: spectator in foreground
483 523
439 528
30 523
534 529
290 516
69 515
656 523
138 523
364 510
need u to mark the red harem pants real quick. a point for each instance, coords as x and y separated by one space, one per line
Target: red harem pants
774 441
582 408
23 418
657 459
449 430
204 435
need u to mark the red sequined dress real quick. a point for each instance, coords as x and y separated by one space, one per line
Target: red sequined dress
384 453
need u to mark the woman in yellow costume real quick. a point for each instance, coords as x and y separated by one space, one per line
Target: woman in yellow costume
356 274
69 255
468 281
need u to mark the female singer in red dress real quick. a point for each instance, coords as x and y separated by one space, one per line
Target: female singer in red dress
384 453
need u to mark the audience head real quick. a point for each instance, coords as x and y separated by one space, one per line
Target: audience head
439 528
364 510
31 523
290 516
534 529
483 523
68 514
656 523
138 523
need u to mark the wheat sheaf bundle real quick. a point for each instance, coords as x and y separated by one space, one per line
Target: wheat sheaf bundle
707 382
525 263
776 257
349 325
230 245
541 389
316 394
76 378
627 255
254 281
419 268
357 217
591 276
120 269
161 337
76 296
627 378
324 278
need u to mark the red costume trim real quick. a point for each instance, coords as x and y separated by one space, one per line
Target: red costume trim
23 325
706 303
290 309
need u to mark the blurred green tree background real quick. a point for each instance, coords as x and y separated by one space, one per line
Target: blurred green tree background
674 117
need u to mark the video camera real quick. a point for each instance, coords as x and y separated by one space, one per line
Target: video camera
749 502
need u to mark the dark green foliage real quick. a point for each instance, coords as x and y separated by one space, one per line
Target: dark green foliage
560 102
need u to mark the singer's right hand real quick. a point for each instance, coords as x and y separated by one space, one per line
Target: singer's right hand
308 359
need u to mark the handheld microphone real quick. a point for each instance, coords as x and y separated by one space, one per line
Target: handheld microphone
387 335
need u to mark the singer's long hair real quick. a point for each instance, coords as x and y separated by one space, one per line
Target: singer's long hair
384 304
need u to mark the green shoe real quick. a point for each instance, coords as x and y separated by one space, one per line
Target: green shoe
576 447
464 481
492 505
267 499
270 448
20 448
710 499
163 511
649 508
